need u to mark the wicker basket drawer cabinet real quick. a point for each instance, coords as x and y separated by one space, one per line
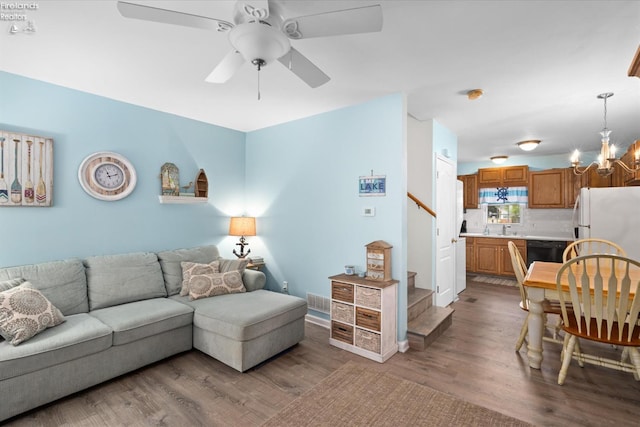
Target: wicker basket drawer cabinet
363 316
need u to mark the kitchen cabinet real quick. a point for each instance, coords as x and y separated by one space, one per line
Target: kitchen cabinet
470 189
631 178
470 255
363 316
510 176
547 189
593 180
554 188
492 255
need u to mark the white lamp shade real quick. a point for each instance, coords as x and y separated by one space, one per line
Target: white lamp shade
242 226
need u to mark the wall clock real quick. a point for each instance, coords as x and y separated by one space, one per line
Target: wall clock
107 176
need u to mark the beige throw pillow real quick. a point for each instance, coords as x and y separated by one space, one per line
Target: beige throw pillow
210 285
25 312
191 268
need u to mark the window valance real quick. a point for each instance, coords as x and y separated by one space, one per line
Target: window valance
500 195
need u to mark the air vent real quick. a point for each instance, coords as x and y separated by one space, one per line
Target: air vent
318 303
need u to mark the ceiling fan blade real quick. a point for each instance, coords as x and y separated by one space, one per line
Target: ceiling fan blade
226 68
251 10
303 68
366 19
155 14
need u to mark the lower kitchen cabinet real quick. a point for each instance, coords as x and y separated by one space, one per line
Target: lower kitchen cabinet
492 255
363 316
470 255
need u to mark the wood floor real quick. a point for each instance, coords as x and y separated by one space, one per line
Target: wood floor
473 360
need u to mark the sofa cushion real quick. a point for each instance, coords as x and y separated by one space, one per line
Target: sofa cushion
64 283
5 285
133 321
170 263
118 279
211 285
78 336
25 312
193 268
243 317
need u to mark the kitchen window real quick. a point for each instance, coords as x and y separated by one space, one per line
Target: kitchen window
505 213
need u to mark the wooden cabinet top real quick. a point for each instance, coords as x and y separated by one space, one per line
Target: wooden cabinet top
510 176
353 279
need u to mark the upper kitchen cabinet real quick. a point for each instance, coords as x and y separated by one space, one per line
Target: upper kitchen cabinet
470 187
511 176
548 189
631 178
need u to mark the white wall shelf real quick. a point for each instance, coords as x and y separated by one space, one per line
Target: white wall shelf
182 199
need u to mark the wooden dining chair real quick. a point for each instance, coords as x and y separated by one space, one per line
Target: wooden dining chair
520 269
591 246
599 290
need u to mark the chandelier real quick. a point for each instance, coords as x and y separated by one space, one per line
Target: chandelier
607 157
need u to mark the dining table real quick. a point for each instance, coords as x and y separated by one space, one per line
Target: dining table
540 283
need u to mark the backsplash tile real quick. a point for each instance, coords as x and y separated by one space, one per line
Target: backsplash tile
541 222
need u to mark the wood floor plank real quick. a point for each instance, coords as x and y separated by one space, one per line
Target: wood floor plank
473 360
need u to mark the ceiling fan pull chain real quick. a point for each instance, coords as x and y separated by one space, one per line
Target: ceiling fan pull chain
258 82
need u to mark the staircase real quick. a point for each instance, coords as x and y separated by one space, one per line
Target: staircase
426 322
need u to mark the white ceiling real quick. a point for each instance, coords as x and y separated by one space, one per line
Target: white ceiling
540 63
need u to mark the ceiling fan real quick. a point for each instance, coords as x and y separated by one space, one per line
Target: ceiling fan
260 33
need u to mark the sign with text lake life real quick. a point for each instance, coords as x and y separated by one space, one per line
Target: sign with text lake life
373 185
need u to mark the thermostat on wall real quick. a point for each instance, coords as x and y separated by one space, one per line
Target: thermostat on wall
368 211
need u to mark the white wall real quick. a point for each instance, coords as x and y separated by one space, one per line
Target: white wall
420 224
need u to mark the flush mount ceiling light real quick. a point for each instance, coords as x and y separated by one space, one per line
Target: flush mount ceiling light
475 94
528 145
498 160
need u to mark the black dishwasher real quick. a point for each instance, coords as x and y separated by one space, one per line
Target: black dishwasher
545 250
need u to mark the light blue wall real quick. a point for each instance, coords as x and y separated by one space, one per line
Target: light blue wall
78 225
445 142
534 162
302 184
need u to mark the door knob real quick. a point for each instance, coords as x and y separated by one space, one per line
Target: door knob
453 240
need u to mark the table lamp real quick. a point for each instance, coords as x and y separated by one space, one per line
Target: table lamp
242 226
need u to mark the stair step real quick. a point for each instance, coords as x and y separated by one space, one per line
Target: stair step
418 301
411 281
426 328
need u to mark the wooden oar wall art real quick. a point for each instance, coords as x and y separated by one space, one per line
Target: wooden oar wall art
26 170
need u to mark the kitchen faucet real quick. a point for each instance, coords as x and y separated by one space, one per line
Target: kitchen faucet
504 229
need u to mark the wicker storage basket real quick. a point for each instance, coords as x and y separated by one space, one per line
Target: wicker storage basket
367 340
342 312
368 297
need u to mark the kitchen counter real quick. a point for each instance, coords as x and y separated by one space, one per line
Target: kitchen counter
565 238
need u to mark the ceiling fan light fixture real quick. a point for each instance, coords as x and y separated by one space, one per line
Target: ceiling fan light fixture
498 160
256 41
528 145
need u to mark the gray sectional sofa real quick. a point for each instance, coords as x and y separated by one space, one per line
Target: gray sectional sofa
123 312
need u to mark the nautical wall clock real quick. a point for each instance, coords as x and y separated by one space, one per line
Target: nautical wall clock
107 176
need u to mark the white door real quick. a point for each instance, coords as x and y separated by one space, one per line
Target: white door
445 231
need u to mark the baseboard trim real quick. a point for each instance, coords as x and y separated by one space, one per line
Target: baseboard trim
403 346
318 321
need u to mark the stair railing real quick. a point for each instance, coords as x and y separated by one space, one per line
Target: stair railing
421 205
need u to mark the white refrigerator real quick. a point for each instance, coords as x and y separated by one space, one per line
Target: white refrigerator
461 244
611 213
